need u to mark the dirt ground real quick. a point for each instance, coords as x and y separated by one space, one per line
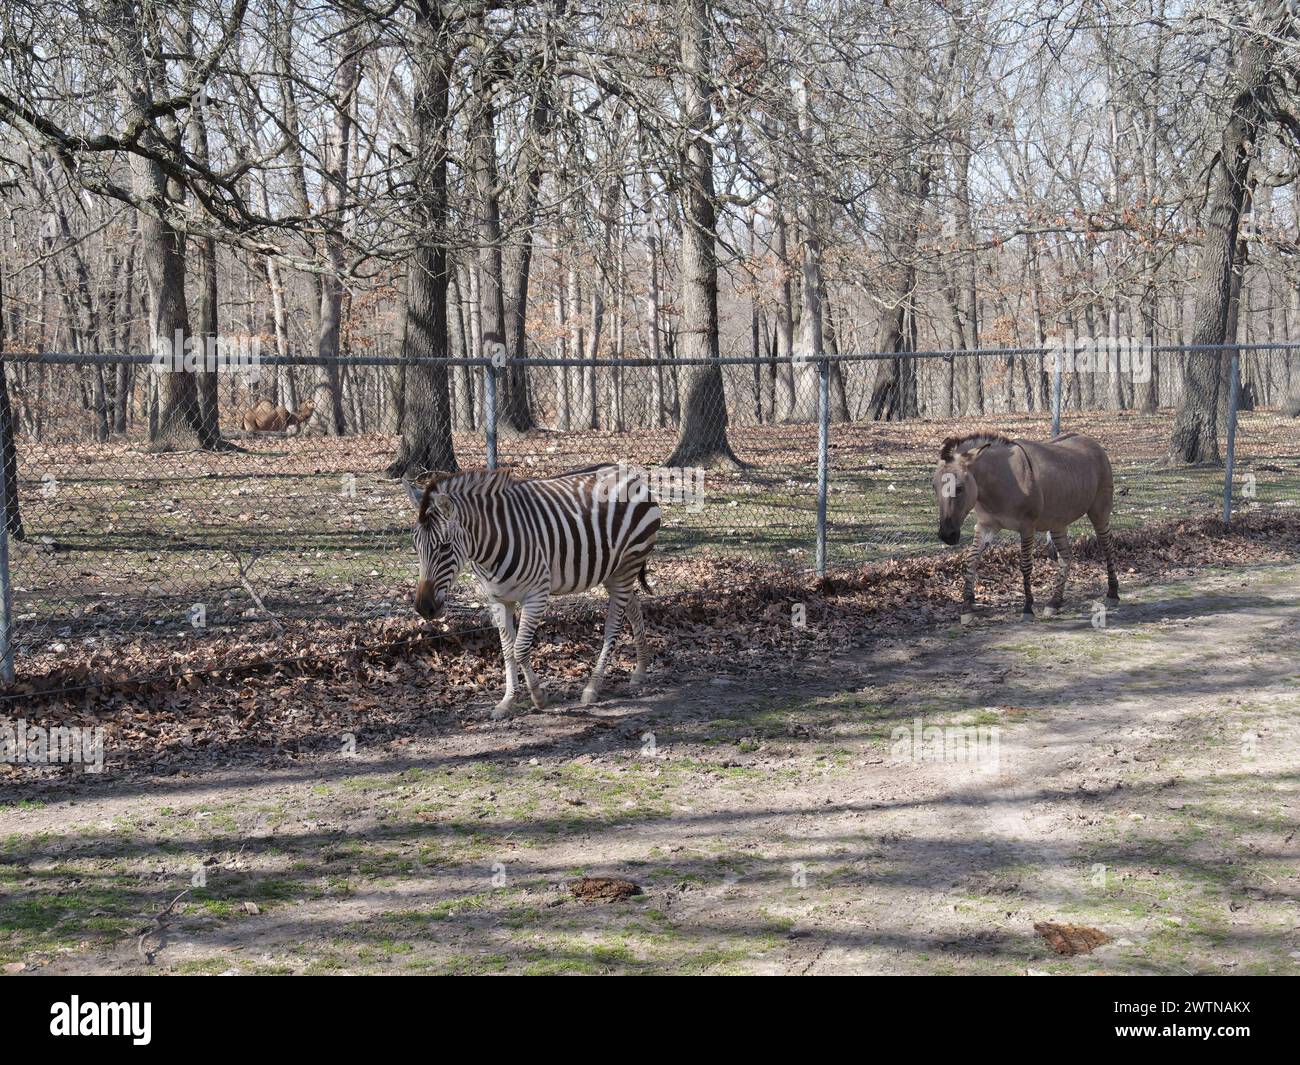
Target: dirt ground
1135 773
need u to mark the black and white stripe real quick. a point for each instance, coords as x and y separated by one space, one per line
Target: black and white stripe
527 540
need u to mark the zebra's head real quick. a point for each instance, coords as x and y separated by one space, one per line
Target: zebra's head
440 546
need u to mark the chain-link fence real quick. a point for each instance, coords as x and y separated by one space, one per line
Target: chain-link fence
152 505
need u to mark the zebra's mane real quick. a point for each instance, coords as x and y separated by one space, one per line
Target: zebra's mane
478 482
951 445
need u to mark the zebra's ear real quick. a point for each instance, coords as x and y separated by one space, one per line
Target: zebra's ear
414 491
442 504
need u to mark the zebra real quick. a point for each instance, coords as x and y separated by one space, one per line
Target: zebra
527 540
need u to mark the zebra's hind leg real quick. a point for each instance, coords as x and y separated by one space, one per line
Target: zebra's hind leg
619 594
636 618
530 616
504 615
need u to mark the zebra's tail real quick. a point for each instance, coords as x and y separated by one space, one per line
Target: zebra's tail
641 577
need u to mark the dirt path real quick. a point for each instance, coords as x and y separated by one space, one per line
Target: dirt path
1138 777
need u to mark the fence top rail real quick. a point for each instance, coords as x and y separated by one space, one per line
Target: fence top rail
251 363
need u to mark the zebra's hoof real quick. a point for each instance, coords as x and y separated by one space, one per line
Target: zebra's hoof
1112 600
502 709
967 617
589 696
636 680
1051 610
539 699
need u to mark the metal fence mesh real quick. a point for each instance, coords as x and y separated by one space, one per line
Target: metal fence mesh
120 537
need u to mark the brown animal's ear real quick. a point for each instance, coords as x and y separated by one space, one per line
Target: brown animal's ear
967 457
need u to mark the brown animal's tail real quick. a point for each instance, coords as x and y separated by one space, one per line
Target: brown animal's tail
641 577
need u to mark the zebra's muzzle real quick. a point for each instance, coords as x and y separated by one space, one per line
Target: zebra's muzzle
428 600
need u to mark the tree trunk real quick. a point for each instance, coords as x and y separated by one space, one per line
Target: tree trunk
177 423
517 411
334 184
1195 436
487 206
426 424
8 452
205 337
703 437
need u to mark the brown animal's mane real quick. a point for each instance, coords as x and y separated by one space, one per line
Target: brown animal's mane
466 481
951 445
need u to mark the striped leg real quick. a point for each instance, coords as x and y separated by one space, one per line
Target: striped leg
531 612
1061 542
1026 568
504 615
1112 580
983 537
637 619
619 594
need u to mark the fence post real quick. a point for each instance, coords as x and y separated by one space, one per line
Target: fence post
1057 382
6 589
823 456
490 414
1233 389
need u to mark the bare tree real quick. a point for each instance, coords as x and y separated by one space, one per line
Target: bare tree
702 440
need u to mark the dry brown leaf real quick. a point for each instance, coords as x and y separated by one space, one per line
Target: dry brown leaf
1071 939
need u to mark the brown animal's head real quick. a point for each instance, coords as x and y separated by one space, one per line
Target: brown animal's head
440 545
303 413
954 483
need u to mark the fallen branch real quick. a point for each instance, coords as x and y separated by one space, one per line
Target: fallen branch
243 579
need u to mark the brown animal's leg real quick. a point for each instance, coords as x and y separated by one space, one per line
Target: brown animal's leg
1099 515
1026 566
983 537
1112 580
1060 541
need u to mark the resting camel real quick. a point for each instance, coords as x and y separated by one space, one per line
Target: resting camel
267 418
1028 487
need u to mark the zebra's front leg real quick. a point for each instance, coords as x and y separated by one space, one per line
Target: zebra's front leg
531 613
504 615
618 600
636 618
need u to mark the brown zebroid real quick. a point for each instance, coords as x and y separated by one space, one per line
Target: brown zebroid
1029 487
